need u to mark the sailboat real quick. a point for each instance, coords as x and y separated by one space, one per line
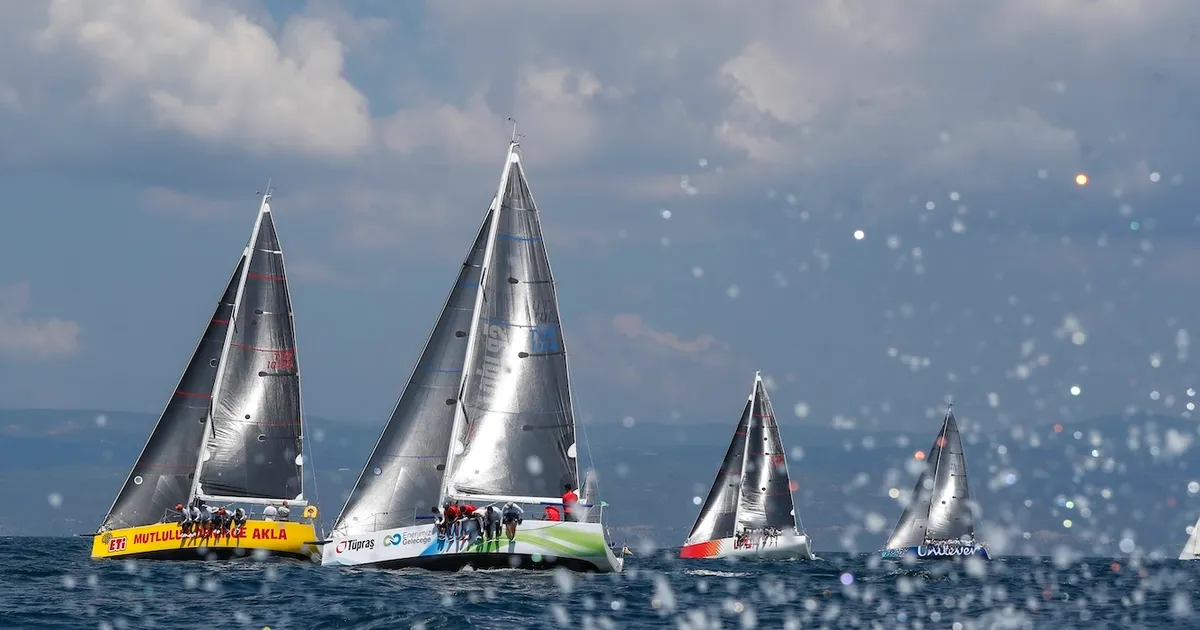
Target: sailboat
1191 550
231 433
937 523
485 419
750 510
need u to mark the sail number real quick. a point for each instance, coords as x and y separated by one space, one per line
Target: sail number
282 360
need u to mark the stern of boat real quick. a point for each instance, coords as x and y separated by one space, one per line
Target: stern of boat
167 541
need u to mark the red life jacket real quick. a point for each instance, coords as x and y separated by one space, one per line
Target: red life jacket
552 513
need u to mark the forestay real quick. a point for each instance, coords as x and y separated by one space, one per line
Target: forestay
940 506
516 433
254 445
161 477
403 475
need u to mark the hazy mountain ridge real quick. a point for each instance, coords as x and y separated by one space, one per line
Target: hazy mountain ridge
650 474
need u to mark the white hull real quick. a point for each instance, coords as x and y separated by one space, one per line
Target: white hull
538 545
784 546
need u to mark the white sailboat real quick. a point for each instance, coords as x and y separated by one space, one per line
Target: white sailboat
485 419
937 523
1191 550
750 510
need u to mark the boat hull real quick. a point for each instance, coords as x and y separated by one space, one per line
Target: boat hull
538 545
937 552
784 546
166 541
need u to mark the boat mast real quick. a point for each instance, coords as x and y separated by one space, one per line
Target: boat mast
237 305
473 332
737 509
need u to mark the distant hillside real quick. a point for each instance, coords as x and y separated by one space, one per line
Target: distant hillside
1120 476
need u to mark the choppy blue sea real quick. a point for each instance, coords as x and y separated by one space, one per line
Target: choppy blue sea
51 583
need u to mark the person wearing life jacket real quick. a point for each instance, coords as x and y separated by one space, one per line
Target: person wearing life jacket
239 520
452 519
466 512
569 499
512 517
551 513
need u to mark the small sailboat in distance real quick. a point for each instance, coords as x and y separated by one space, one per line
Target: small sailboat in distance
750 510
230 435
937 522
485 420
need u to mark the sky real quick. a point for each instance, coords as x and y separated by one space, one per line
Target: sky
704 172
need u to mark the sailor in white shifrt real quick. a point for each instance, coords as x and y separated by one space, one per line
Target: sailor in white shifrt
269 513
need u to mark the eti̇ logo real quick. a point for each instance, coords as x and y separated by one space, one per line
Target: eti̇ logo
116 544
393 540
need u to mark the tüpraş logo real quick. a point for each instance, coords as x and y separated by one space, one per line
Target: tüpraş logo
354 545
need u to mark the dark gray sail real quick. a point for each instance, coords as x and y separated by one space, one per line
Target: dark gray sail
403 476
162 476
766 494
939 509
518 438
255 441
718 515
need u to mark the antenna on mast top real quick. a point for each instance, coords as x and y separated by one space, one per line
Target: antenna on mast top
269 189
949 403
515 135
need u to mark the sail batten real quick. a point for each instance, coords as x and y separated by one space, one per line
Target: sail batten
402 477
516 372
160 478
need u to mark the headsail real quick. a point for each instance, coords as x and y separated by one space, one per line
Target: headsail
403 476
1191 549
515 432
766 495
254 446
718 515
161 477
940 506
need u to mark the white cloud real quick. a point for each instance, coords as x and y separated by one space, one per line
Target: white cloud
552 104
23 337
210 72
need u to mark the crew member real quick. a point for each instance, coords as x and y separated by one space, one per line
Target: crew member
512 517
569 499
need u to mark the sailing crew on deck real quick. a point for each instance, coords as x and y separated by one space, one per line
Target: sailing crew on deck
284 512
269 512
491 522
551 514
194 513
439 522
570 499
474 518
452 521
239 520
206 519
185 519
512 517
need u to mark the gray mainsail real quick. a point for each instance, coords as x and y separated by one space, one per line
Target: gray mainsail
254 445
515 432
940 506
766 495
403 476
718 515
162 476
